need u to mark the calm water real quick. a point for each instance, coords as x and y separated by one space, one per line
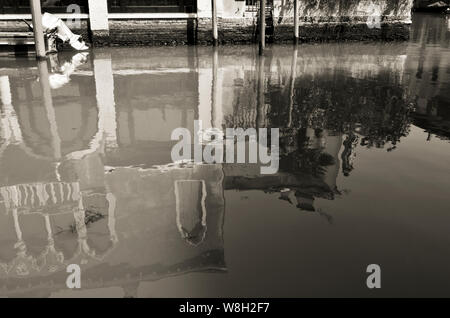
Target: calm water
86 175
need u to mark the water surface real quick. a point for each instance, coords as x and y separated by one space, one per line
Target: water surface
87 178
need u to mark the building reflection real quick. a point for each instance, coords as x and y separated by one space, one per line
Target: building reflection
78 209
429 80
49 215
326 103
85 168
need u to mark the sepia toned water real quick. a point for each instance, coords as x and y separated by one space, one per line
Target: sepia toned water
87 178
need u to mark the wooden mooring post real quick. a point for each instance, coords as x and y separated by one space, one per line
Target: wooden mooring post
38 28
214 22
262 27
296 22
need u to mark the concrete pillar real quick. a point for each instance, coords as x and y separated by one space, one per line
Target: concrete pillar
204 8
204 21
98 19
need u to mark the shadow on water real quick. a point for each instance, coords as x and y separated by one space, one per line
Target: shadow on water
85 168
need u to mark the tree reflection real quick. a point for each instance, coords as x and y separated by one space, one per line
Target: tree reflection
304 158
377 112
371 113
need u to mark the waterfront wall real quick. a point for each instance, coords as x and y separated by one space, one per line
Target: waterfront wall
320 20
152 32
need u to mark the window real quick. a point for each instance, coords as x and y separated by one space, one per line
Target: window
52 6
129 6
252 5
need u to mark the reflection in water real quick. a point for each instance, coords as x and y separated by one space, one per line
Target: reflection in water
430 44
85 169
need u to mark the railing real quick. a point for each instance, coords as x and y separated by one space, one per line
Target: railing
52 6
159 6
38 197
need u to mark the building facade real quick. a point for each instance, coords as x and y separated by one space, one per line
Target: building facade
168 22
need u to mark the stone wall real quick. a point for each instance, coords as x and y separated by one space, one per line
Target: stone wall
153 31
98 22
180 31
231 30
324 20
320 20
